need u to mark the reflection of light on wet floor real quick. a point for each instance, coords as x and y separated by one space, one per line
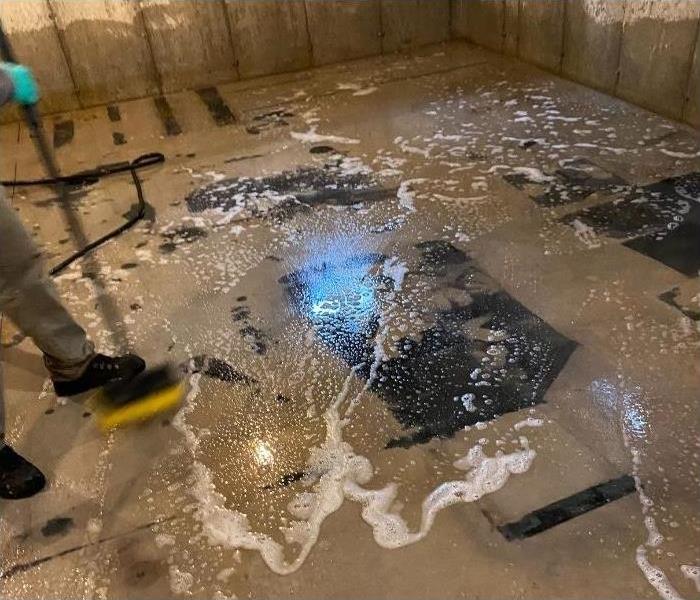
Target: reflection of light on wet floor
262 453
335 289
634 419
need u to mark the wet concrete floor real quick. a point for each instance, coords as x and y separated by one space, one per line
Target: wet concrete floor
439 318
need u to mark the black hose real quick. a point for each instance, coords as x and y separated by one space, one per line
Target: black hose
92 176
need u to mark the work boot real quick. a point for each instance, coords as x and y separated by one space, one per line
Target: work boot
100 371
18 477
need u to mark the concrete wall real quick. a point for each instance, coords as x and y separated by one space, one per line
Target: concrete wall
645 51
90 52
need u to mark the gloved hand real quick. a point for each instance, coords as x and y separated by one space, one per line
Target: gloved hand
25 88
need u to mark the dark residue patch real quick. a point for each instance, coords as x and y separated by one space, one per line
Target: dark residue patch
86 414
179 236
130 265
216 369
149 212
671 298
574 182
321 149
57 526
118 138
216 106
293 191
241 158
63 133
240 313
285 480
568 508
660 220
49 411
478 342
255 338
135 306
167 117
272 258
113 113
282 399
241 298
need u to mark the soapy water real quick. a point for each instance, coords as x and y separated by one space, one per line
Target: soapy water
344 474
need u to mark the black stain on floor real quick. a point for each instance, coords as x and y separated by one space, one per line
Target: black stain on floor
321 150
660 220
286 193
574 181
217 107
118 138
167 117
113 113
477 354
63 133
255 338
57 526
269 120
671 298
179 236
286 480
240 313
216 368
149 212
568 508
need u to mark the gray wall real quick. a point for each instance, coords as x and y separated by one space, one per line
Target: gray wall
645 51
89 52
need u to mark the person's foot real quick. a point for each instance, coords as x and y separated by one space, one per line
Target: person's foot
18 477
101 371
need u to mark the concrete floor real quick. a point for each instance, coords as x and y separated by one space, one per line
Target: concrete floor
421 299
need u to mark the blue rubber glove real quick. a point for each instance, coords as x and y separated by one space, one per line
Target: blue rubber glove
26 91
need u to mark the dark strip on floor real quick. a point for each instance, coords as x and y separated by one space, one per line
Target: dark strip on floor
568 508
63 133
113 113
165 112
218 109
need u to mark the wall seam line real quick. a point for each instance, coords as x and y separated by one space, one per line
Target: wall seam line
312 58
564 17
229 30
66 54
504 8
691 64
149 43
619 49
517 33
380 3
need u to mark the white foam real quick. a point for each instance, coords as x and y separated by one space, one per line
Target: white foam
313 137
405 194
529 422
692 572
656 577
586 234
675 154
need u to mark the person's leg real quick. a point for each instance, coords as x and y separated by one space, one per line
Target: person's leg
30 301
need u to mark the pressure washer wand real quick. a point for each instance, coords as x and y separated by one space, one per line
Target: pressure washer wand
105 303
